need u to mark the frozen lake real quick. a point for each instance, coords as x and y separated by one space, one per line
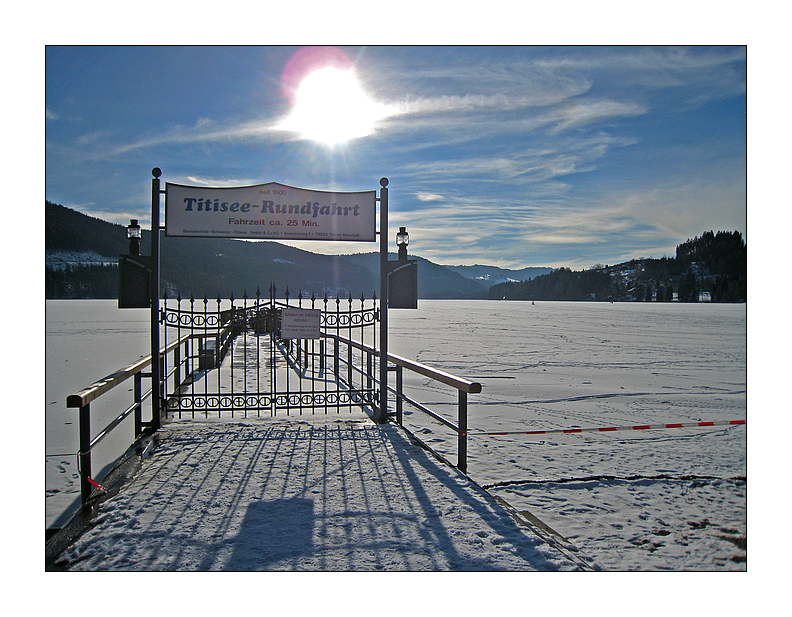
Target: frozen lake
85 341
663 499
666 499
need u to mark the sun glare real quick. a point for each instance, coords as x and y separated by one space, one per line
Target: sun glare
331 107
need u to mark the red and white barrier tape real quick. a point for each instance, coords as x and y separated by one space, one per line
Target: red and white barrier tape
641 427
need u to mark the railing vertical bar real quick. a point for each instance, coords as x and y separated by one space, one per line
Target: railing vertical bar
336 360
288 372
85 451
256 313
272 329
244 356
190 351
399 388
349 367
162 388
350 374
369 371
138 382
463 428
182 357
176 366
163 376
188 366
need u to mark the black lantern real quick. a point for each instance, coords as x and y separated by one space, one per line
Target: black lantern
402 240
134 234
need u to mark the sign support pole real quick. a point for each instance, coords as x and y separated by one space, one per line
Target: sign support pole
381 416
155 333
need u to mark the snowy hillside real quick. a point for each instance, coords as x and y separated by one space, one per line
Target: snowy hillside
59 259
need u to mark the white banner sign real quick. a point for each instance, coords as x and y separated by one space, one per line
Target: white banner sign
269 211
300 323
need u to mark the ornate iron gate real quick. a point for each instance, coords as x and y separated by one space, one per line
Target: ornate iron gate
235 362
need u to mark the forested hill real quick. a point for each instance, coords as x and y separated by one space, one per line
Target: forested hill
712 267
82 256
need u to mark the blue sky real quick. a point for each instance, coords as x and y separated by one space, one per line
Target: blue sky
510 156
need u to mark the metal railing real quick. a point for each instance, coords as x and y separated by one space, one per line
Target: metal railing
256 381
85 397
462 386
347 370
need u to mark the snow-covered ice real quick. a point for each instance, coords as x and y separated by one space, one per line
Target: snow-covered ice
634 500
647 500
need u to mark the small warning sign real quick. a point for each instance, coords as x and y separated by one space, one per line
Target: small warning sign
300 323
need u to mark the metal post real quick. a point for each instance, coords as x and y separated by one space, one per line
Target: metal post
399 388
336 353
350 375
381 415
369 371
85 452
463 427
138 394
176 363
155 334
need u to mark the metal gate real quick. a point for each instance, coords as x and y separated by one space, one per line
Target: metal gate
233 360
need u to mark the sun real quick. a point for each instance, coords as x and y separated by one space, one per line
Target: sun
330 106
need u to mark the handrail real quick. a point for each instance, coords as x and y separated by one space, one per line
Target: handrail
471 387
96 389
463 387
83 399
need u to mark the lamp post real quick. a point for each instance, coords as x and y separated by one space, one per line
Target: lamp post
134 234
403 276
134 272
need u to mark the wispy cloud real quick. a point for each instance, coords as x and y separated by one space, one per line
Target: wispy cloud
220 181
657 67
422 196
559 158
580 113
204 131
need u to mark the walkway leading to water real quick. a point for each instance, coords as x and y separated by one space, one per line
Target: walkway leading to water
335 494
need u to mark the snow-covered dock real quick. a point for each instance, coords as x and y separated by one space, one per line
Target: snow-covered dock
330 494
